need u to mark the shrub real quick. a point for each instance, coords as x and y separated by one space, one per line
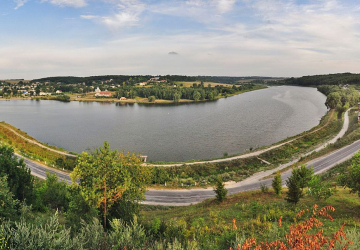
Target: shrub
220 190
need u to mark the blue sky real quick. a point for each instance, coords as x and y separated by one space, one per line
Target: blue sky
40 38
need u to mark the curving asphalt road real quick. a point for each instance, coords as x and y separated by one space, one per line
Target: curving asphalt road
188 197
193 196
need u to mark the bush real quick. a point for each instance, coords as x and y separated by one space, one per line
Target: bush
220 190
277 184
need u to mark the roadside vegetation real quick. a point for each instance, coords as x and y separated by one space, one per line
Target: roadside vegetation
53 215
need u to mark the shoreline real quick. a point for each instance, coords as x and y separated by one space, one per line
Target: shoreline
139 100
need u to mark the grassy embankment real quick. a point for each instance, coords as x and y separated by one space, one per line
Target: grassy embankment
205 174
256 214
32 150
351 135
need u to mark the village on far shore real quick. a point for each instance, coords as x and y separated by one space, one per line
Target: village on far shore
130 89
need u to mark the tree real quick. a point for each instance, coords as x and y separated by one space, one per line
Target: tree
299 179
220 190
177 97
152 98
196 96
37 90
351 179
52 193
276 183
294 192
333 100
319 189
304 175
8 203
20 180
105 177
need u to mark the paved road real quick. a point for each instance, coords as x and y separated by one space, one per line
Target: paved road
187 197
40 170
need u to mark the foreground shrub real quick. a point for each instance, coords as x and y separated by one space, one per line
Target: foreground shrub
308 234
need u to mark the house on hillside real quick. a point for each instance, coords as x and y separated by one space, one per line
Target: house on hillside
154 79
58 91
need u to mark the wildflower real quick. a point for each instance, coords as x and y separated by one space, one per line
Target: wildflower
280 221
234 225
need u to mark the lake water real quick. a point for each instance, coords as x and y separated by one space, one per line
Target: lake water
172 132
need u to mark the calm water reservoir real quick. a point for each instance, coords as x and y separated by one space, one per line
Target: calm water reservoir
174 132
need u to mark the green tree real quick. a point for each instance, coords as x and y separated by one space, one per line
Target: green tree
220 190
319 189
333 100
106 176
276 183
20 180
299 179
304 175
37 90
78 209
7 201
152 98
294 192
196 96
177 97
351 179
52 193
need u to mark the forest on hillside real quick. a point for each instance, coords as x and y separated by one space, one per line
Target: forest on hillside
330 79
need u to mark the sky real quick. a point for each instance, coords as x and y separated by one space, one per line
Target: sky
40 38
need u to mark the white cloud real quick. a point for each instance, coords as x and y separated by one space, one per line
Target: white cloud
19 3
70 3
88 17
224 6
127 16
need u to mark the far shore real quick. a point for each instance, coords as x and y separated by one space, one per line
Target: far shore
91 98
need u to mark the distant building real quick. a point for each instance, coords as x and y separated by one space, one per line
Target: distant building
97 90
58 91
44 94
142 83
154 79
122 98
103 94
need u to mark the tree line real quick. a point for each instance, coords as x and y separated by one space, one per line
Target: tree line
330 79
339 98
196 92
